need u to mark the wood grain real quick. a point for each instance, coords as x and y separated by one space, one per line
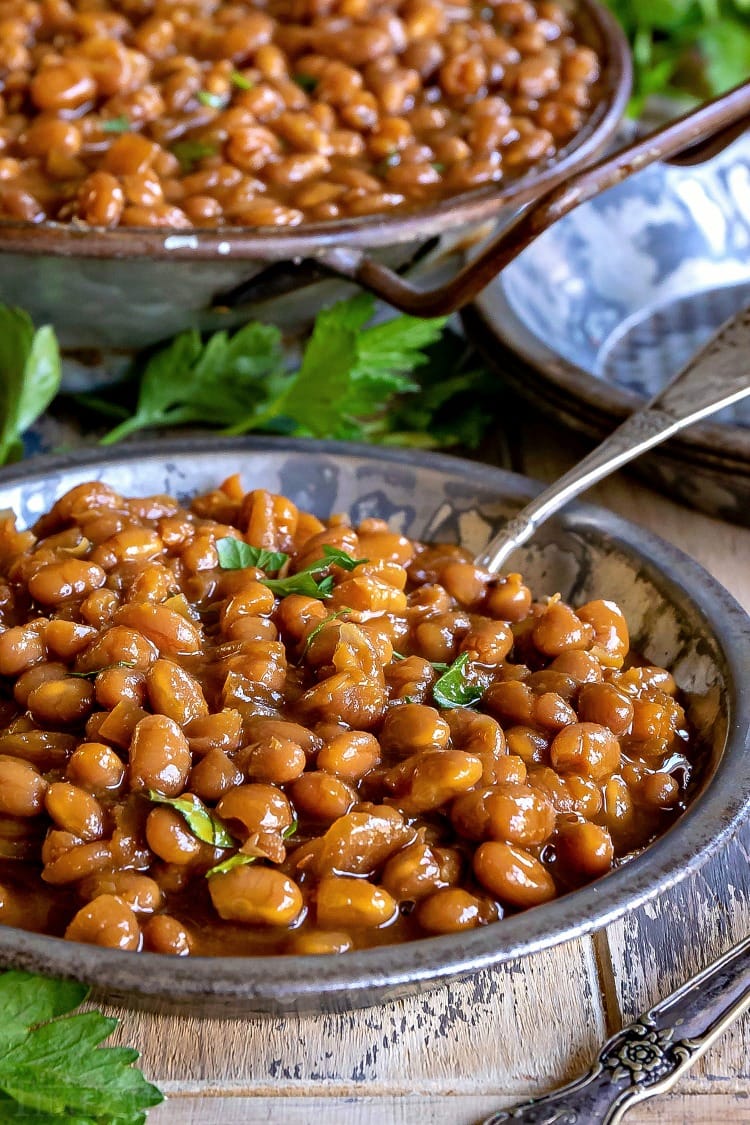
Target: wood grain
481 1036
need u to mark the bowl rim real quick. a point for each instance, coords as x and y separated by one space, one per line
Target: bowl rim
314 982
311 240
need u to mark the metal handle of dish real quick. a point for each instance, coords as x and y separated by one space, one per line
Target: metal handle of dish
694 137
718 376
648 1056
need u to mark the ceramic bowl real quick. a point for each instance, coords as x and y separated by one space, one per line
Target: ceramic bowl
678 616
605 307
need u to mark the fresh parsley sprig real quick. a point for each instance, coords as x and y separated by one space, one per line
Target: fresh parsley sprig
456 688
234 555
52 1065
30 374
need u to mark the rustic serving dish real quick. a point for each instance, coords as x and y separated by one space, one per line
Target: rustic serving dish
609 303
678 616
124 289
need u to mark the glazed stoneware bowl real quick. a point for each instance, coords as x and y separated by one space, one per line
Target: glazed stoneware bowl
605 307
678 616
123 289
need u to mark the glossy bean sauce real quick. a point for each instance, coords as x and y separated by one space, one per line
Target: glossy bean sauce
206 113
391 744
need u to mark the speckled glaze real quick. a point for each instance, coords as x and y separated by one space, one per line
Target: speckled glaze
678 616
605 307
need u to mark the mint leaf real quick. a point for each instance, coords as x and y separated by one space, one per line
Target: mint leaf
203 823
52 1067
30 374
235 554
454 688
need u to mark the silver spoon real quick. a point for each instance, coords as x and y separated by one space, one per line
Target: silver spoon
718 376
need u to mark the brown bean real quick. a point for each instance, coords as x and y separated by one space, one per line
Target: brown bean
322 796
95 767
107 921
585 748
159 756
22 788
586 850
256 895
74 810
56 582
512 874
256 808
354 903
173 692
170 838
164 934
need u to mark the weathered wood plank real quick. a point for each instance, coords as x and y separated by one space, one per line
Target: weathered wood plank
467 1109
482 1035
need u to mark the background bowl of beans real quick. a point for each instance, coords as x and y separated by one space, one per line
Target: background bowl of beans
153 160
235 795
604 308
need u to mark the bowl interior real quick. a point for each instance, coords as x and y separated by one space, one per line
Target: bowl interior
677 614
627 287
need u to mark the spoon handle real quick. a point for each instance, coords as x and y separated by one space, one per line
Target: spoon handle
648 1056
717 376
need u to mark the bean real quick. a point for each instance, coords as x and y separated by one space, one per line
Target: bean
360 842
349 755
449 911
164 934
142 894
173 692
256 896
412 728
585 849
95 767
343 901
513 875
319 942
58 581
586 748
22 788
164 627
256 808
61 702
21 647
214 775
107 921
75 811
159 756
322 796
170 838
603 704
412 873
276 760
558 629
78 862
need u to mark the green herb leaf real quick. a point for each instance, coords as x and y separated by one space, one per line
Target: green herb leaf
119 124
238 860
30 374
203 823
238 79
95 671
213 101
307 82
52 1067
189 153
340 558
290 830
210 383
454 688
302 583
235 554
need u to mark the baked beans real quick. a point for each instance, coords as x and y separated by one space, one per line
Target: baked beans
277 112
345 739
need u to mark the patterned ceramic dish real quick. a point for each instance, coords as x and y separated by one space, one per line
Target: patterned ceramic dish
609 303
678 616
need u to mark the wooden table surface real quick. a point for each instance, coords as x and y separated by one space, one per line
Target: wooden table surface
453 1055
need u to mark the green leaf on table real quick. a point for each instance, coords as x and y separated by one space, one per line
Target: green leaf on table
52 1067
455 688
30 374
189 381
202 822
235 554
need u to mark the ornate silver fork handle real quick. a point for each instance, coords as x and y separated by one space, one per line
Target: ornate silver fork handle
648 1056
717 376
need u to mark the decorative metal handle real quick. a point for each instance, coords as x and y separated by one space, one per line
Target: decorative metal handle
648 1056
695 135
717 377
